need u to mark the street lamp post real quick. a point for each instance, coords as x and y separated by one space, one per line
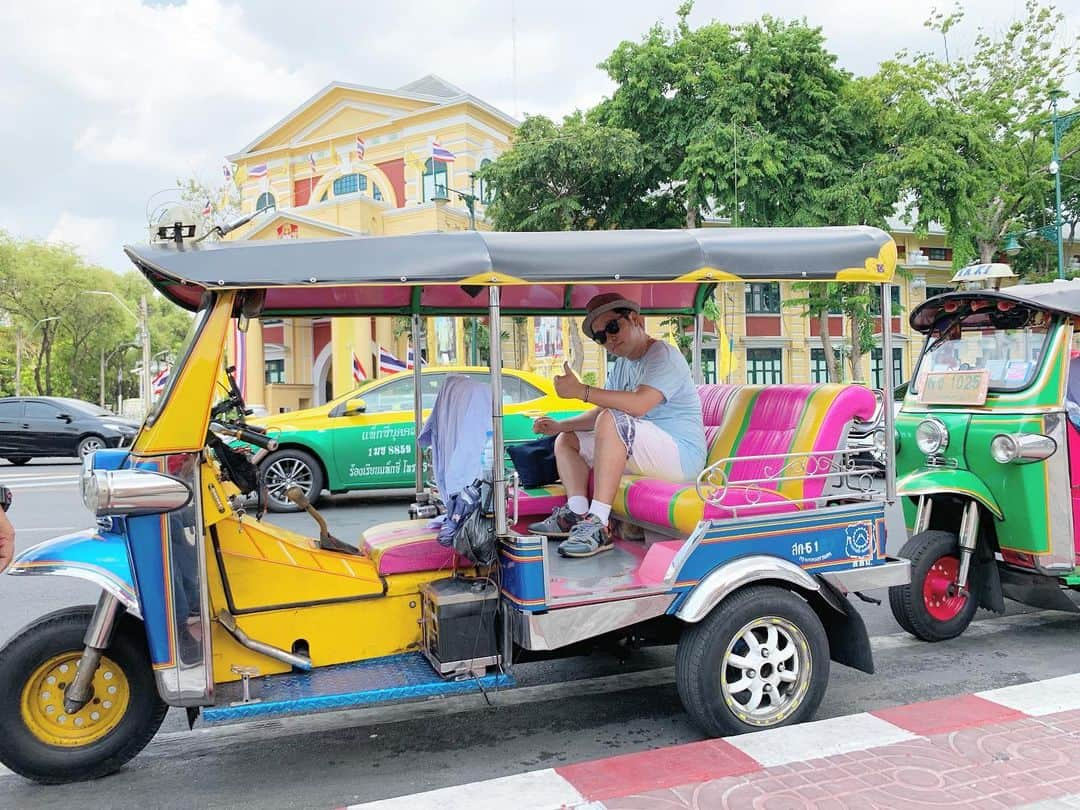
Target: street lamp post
18 350
143 321
1059 123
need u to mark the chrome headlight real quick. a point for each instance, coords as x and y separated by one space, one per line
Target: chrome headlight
1020 448
133 493
931 437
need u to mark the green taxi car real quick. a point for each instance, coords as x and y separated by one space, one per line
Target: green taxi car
366 439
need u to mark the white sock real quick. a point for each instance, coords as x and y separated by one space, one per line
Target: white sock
601 510
578 504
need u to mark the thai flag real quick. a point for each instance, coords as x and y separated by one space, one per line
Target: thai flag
388 364
360 148
159 381
410 359
358 373
441 153
208 209
311 161
256 172
225 170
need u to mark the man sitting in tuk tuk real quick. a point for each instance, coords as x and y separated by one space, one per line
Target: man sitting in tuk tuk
647 422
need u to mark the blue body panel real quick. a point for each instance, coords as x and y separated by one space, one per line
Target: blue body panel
818 541
380 680
88 554
521 564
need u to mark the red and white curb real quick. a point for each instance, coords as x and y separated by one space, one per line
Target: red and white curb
586 785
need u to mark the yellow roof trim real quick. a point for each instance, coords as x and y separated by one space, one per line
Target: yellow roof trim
708 274
491 277
877 270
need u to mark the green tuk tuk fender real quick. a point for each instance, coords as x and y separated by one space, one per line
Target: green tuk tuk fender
960 482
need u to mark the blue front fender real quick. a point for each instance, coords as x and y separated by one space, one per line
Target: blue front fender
100 557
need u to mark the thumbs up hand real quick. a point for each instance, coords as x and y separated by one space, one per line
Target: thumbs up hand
567 384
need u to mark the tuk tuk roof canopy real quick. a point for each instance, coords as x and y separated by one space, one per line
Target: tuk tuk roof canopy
667 271
1060 297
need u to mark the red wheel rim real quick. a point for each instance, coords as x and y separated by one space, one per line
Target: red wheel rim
939 603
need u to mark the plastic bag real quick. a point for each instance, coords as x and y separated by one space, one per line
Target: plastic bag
475 537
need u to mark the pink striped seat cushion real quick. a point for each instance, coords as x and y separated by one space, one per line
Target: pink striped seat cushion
408 546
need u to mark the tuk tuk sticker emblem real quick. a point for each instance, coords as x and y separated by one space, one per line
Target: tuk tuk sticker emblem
860 543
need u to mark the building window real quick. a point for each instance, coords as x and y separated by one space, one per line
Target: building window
350 184
763 366
376 192
877 376
763 298
266 200
932 291
275 371
819 370
938 254
875 300
436 179
901 250
483 187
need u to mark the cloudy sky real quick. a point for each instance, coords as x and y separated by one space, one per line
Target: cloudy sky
105 103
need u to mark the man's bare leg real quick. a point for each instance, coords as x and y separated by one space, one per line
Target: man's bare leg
609 462
573 470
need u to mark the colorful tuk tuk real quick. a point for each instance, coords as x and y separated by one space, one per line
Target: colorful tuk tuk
988 450
205 606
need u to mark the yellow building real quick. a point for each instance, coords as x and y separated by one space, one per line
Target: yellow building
359 161
355 160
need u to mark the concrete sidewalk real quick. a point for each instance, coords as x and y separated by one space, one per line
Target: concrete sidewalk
1012 747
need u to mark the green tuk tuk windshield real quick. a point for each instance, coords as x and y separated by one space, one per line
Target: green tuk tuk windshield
1006 339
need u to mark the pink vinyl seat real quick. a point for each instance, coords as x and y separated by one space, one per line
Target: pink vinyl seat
742 422
408 546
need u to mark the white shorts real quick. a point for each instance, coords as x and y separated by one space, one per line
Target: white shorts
650 451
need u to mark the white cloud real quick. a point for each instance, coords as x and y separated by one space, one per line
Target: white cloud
95 238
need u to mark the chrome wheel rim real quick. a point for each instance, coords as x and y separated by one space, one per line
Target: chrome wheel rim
285 473
90 446
766 671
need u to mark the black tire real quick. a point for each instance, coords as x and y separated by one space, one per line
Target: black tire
89 444
18 461
24 752
927 551
703 664
286 468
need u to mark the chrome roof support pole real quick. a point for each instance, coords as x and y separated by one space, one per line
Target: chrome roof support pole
889 384
498 474
418 401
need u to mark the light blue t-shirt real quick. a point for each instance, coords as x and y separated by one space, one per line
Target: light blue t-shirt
679 414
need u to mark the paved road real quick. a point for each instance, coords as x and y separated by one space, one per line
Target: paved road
567 711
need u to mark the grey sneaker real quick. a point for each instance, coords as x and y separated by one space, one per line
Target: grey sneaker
558 524
588 537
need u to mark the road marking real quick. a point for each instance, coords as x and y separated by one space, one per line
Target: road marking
44 485
1040 698
822 738
543 788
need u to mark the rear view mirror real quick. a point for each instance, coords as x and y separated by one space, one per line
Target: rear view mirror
354 406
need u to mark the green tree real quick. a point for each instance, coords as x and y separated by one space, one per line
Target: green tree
969 145
578 175
753 122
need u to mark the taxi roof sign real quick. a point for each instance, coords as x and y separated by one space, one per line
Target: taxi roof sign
982 272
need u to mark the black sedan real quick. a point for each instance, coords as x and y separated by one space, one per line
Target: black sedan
58 426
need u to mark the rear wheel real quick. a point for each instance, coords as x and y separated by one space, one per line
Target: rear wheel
929 607
90 444
38 739
759 660
291 468
18 461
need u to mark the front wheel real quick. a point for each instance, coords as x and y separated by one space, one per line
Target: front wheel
38 739
759 660
291 468
929 607
90 444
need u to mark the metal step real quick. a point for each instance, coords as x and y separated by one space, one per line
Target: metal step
394 678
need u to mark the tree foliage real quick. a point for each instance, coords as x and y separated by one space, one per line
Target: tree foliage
969 145
62 331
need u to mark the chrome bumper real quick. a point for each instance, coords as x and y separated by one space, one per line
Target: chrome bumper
886 575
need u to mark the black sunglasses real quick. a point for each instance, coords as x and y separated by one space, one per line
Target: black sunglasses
609 328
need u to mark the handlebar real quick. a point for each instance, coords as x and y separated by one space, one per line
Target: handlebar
246 433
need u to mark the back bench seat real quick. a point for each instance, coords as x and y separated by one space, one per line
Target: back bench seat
742 422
